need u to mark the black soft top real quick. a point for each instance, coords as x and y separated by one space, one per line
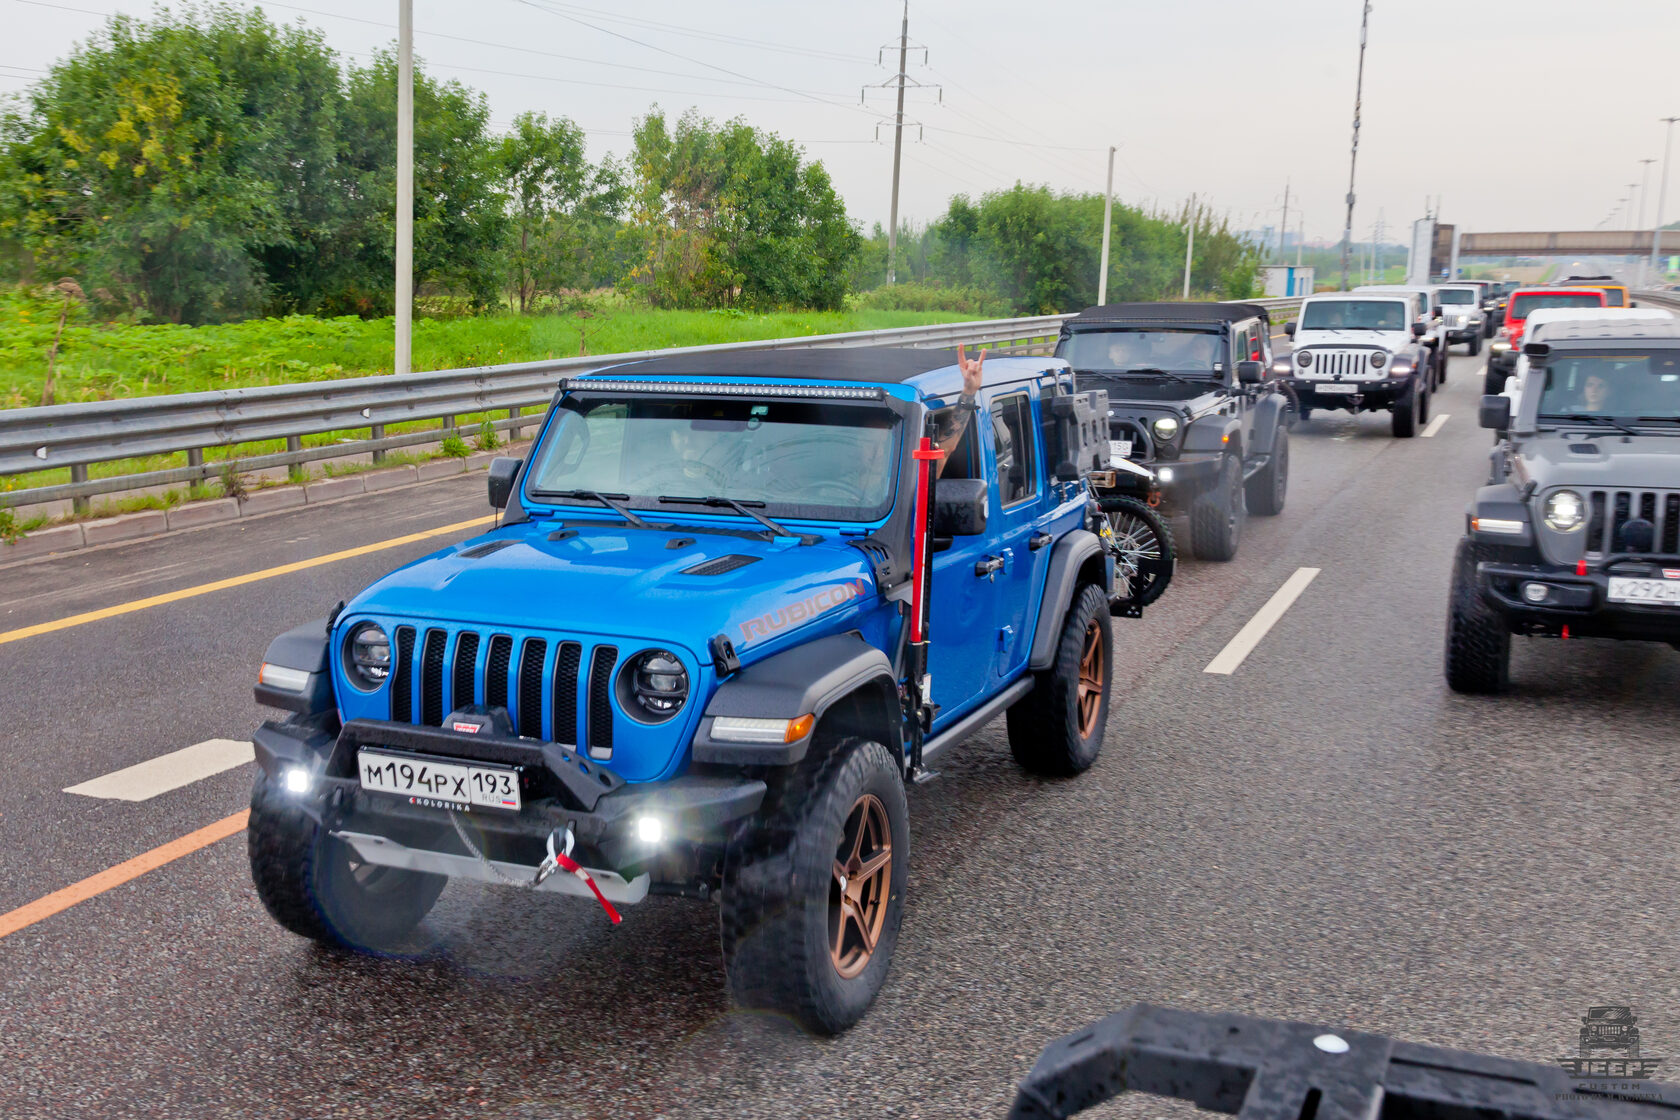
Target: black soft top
1109 314
816 363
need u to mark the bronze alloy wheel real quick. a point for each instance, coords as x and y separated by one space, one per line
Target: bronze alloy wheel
1090 681
857 896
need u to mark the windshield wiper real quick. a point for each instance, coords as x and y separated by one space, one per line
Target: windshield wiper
742 508
611 501
1157 371
1594 418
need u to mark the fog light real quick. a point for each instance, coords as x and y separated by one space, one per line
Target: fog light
296 780
650 830
1534 592
1165 474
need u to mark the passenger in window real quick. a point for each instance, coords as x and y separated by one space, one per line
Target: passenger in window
956 423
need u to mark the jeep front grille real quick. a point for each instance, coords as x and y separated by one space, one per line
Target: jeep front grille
535 679
1142 446
1338 363
1611 510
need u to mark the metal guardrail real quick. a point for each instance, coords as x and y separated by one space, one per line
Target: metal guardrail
1667 301
79 435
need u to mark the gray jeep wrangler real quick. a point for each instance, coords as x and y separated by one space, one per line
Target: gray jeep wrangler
1578 532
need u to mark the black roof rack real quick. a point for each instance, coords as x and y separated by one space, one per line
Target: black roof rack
1167 313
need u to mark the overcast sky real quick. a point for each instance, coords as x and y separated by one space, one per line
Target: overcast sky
1520 114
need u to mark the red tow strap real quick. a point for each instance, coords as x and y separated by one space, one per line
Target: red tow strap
567 863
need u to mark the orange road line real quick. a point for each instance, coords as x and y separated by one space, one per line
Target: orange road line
60 900
234 581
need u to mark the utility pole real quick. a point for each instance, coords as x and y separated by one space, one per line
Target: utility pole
1376 249
1108 215
1353 158
1662 192
1190 247
405 188
898 144
1301 242
1283 226
1644 185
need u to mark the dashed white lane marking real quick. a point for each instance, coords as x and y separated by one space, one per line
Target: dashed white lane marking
145 780
1249 636
1435 424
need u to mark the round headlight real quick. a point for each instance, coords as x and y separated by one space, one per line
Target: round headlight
1165 428
1303 358
1378 360
1565 511
653 686
367 656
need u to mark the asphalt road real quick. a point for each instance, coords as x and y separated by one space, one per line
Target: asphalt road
1327 833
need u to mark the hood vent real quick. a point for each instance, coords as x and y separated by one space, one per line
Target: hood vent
718 565
1584 448
479 551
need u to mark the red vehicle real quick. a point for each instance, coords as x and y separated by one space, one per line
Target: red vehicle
1507 343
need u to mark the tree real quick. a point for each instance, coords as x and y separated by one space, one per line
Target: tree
460 214
563 213
727 215
161 159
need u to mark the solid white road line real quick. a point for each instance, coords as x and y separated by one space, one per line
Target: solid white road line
1249 636
146 780
1435 424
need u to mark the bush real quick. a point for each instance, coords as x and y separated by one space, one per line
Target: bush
486 438
455 447
979 302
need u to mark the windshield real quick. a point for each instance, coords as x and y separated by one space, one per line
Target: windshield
1524 305
1354 315
1184 352
1456 295
1624 385
826 461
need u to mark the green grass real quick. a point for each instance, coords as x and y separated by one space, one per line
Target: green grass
99 361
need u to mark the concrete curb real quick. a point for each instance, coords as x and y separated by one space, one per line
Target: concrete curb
58 539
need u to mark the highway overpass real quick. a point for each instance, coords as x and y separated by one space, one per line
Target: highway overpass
1592 242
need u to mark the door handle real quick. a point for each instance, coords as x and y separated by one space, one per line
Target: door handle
1038 541
988 567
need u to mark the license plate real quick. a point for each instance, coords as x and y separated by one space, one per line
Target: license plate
1119 449
446 783
1335 387
1662 591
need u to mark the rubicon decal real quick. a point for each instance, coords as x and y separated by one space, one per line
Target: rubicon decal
809 607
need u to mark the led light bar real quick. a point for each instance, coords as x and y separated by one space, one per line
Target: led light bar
723 389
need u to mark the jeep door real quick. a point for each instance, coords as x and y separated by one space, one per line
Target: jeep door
960 652
1018 524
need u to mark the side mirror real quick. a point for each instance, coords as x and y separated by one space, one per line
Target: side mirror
1435 312
1495 413
1289 328
1419 330
503 470
1251 373
1537 350
959 507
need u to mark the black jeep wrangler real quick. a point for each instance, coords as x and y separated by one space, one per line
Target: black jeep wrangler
1190 397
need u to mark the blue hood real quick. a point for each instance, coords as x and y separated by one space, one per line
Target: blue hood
625 584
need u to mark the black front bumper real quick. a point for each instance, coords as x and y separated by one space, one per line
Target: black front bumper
1579 602
559 790
1373 396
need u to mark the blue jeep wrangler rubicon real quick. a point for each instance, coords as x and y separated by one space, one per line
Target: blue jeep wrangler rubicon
735 601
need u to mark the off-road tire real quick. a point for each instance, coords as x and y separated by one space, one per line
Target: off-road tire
777 891
1152 577
1216 517
1493 382
1265 492
1405 412
1050 733
1443 355
1478 651
1475 346
307 883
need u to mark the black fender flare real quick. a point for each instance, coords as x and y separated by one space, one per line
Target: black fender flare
1268 419
302 648
808 679
1215 433
1078 557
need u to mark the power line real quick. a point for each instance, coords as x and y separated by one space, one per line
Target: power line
715 36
